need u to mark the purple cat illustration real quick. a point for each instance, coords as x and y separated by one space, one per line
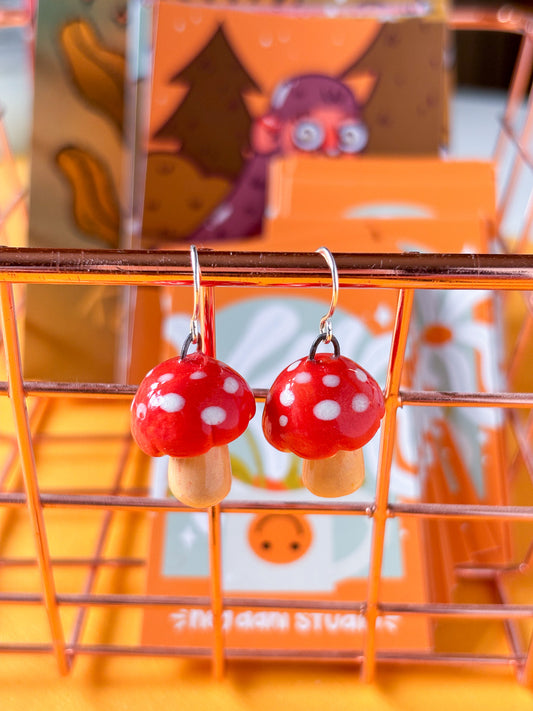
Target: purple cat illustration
308 114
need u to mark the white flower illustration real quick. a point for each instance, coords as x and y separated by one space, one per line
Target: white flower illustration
450 339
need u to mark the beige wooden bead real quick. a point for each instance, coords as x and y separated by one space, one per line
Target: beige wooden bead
334 476
203 480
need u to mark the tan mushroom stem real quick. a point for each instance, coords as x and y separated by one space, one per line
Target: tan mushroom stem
203 480
334 476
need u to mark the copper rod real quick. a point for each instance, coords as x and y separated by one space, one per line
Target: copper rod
387 439
13 178
512 633
523 436
443 399
471 611
128 600
22 648
306 655
11 466
297 269
517 91
523 342
526 676
517 165
406 397
322 655
142 503
521 243
124 562
434 610
15 202
505 19
29 471
215 578
464 511
147 504
520 146
75 389
214 524
100 543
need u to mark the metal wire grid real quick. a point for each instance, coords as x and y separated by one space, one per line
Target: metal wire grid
403 272
407 273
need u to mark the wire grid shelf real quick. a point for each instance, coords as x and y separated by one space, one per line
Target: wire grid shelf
508 272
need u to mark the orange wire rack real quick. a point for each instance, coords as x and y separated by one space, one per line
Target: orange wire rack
507 272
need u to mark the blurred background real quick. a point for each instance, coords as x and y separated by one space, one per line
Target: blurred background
483 63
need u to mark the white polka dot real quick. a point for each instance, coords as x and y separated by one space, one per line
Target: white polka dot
141 411
198 375
165 378
286 398
302 377
293 366
360 403
331 381
213 415
154 386
283 420
231 385
326 410
171 402
361 375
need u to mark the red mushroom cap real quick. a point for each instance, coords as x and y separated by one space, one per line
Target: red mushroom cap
186 406
319 406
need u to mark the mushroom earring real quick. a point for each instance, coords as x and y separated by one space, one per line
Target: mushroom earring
324 408
190 407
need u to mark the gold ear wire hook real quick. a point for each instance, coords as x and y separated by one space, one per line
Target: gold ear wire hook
197 277
326 326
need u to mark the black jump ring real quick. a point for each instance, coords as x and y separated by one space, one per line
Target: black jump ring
318 340
187 344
